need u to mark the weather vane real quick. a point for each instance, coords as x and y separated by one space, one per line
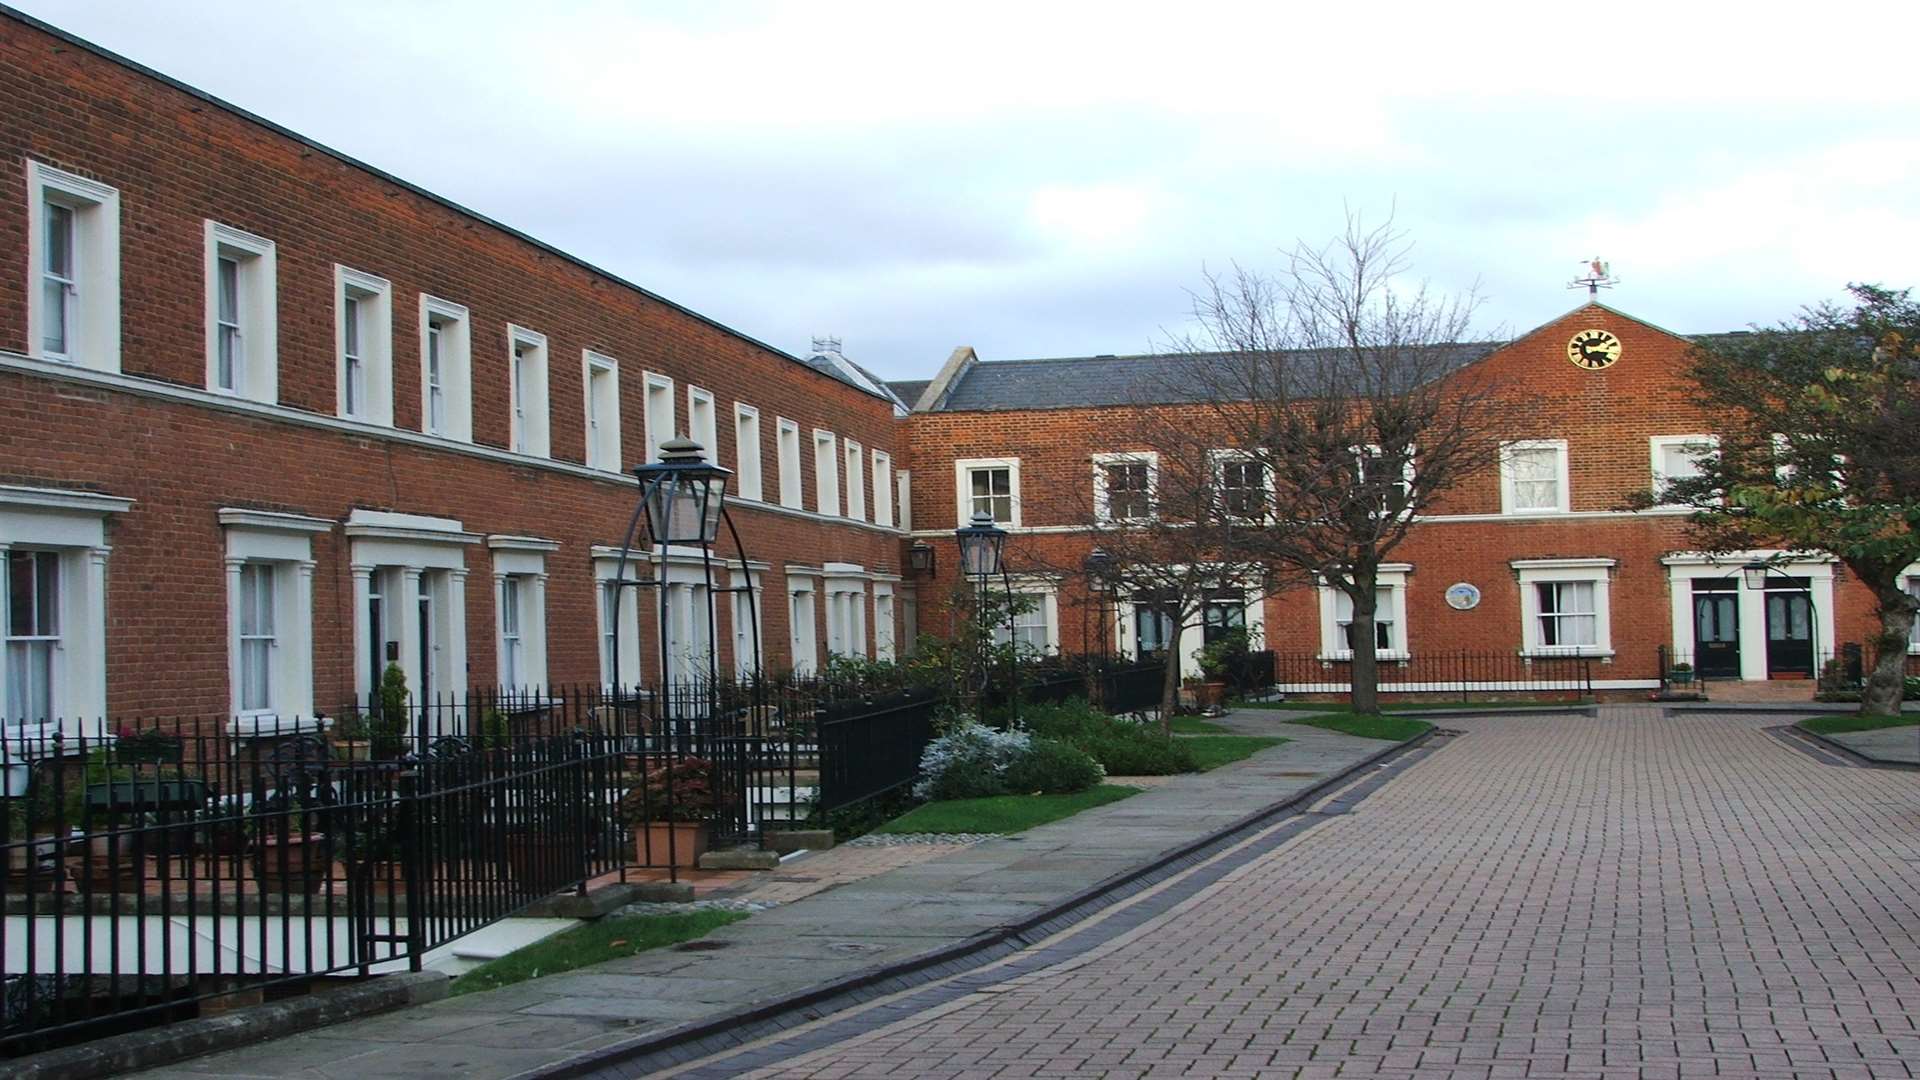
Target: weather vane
1598 276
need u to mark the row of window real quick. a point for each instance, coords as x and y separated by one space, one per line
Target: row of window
73 317
409 580
1533 480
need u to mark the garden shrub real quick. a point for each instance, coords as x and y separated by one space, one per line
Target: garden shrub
1052 767
969 762
1122 747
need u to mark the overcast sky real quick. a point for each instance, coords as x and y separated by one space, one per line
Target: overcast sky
1038 179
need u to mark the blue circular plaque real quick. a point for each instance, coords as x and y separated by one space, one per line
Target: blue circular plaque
1462 596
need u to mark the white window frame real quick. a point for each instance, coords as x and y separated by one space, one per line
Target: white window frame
803 627
749 628
606 562
1657 447
600 399
93 338
256 322
1101 504
1509 496
747 472
456 368
792 483
657 412
1360 458
883 489
283 542
703 422
885 632
529 393
903 503
856 477
963 470
826 473
1217 462
374 300
1532 572
1046 612
1391 578
73 524
521 561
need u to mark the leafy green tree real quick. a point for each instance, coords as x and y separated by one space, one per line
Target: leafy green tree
1819 451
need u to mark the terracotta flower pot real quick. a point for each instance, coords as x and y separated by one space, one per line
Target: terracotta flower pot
670 843
297 864
111 860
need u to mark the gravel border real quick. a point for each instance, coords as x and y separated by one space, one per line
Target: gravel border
918 839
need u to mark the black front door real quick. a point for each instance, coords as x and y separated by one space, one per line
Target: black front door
1789 634
1716 631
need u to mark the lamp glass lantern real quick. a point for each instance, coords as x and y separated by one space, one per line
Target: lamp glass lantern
1755 573
1097 565
920 557
981 545
683 494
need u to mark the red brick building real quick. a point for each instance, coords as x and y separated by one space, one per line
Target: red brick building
1535 558
269 415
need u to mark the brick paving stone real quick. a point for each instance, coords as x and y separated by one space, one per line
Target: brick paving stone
1628 895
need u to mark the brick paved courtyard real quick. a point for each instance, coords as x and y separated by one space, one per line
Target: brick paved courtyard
1628 896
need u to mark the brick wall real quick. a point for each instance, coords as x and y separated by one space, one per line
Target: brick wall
1607 418
178 160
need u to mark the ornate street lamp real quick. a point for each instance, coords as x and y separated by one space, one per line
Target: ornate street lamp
1098 566
982 543
683 501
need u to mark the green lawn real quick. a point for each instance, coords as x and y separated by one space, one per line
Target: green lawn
1193 725
590 943
1002 813
1213 751
1395 728
1848 722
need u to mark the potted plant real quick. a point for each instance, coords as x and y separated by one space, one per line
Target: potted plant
387 728
289 855
1217 659
352 740
671 812
1680 674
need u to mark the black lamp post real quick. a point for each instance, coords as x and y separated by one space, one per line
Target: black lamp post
1756 573
1098 567
982 545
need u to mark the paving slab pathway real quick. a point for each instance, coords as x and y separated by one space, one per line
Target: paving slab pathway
1629 895
1894 745
858 911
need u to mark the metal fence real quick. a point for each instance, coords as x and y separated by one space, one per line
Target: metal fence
1438 673
152 868
1842 671
872 746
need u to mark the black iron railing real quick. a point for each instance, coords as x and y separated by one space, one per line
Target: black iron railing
871 746
1461 674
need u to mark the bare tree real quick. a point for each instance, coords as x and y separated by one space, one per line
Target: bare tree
1173 545
1352 393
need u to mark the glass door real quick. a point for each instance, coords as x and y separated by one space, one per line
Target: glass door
1716 629
1789 632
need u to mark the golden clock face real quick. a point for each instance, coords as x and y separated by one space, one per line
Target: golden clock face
1593 349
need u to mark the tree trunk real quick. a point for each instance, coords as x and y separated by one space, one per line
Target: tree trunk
1365 695
1170 684
1882 694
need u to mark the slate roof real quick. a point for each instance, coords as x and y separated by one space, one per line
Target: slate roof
1093 381
909 390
